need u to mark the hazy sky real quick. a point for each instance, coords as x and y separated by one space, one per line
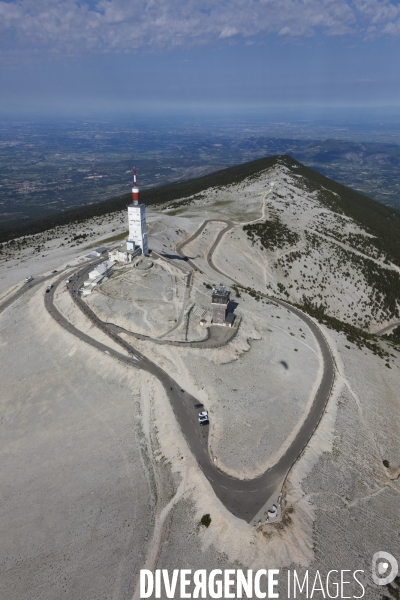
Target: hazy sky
126 54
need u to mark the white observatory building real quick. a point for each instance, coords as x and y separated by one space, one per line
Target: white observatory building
137 222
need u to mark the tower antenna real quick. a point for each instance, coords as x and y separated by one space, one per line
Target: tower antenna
135 189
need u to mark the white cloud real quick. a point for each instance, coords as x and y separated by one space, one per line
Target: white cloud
228 32
72 26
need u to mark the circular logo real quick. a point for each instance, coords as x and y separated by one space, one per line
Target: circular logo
384 568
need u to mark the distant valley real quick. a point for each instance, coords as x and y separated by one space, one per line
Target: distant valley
46 168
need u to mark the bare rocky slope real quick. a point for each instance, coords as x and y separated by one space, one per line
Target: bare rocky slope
97 478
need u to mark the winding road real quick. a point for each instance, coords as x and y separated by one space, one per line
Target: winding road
273 478
243 498
23 289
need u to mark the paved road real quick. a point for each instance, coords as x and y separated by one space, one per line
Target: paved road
388 328
244 498
272 480
179 247
215 337
22 290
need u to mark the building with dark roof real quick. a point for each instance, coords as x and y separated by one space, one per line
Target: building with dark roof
219 304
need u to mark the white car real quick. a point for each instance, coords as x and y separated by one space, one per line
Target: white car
28 279
203 413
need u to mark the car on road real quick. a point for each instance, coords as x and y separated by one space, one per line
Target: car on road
199 405
68 281
203 413
81 289
205 422
28 279
54 271
48 289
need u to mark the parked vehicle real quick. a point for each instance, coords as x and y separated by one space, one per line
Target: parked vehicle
205 422
203 413
28 279
198 405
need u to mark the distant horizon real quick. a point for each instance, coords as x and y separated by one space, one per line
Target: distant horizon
52 163
207 110
117 56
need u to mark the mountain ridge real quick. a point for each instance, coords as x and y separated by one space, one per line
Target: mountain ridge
381 221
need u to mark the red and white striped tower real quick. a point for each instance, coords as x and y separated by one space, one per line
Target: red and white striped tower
135 189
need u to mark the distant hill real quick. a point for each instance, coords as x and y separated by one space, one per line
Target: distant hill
379 220
157 195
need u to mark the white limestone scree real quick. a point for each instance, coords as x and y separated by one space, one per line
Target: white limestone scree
137 222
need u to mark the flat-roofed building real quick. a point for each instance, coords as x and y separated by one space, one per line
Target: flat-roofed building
219 304
124 255
102 270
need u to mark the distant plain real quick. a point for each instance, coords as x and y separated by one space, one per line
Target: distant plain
48 166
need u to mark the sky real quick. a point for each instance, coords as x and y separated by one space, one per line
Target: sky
128 55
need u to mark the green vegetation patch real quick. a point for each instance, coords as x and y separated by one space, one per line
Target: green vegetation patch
384 282
205 520
236 290
272 234
383 222
359 337
394 337
114 238
247 290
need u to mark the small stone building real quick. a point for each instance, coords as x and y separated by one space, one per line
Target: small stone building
124 256
219 304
